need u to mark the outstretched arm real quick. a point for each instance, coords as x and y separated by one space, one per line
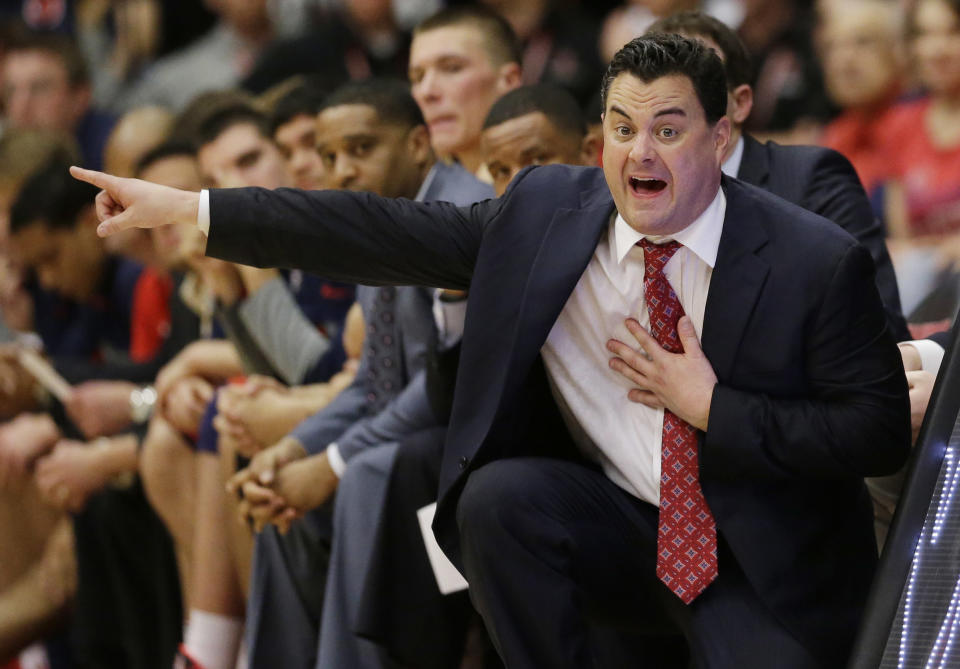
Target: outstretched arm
353 237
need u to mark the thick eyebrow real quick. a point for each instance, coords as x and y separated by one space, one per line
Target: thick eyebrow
663 112
670 111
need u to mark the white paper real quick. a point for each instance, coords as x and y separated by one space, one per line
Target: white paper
448 578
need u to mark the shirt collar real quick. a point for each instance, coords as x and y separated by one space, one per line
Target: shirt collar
702 236
731 166
427 182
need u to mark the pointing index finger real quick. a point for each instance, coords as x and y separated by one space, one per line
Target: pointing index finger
98 179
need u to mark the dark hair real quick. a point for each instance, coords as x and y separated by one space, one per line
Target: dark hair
62 46
736 58
220 120
304 99
390 98
502 44
556 103
52 197
168 149
650 58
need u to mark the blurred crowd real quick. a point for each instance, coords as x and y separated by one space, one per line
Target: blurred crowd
139 379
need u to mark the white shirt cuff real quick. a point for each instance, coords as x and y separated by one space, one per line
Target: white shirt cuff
931 354
449 318
336 461
203 213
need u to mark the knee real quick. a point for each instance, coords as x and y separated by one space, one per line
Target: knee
494 499
162 458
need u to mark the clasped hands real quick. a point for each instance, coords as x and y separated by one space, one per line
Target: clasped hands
282 483
681 382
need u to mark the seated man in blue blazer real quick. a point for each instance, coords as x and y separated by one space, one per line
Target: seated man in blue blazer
659 365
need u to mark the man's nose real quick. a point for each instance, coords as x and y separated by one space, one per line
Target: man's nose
344 172
642 150
428 86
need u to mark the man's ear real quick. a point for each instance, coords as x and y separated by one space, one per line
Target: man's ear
722 135
509 77
741 104
590 148
418 145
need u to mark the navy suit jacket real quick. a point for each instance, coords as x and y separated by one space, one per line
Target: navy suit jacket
811 395
823 181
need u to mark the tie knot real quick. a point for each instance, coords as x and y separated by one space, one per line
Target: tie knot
656 256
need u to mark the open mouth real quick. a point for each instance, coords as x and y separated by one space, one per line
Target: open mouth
646 186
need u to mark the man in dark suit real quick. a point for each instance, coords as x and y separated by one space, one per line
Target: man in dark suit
818 179
555 452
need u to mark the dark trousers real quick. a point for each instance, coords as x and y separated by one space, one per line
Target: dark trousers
552 547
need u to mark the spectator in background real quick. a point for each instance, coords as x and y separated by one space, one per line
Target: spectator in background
22 152
46 86
534 125
923 150
293 126
634 18
863 65
924 137
790 103
558 43
127 602
461 60
354 39
219 59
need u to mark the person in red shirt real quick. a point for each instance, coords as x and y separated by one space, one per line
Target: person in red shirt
863 66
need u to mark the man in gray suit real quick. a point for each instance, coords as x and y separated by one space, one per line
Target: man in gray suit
371 137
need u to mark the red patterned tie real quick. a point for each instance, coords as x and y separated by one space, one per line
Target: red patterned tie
687 534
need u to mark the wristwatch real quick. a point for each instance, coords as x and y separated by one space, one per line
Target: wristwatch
141 404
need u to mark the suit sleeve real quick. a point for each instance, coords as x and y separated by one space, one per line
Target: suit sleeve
409 412
324 427
854 418
836 194
350 237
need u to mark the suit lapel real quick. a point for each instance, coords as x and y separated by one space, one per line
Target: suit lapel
736 283
567 247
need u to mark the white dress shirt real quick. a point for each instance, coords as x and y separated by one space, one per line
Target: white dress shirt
623 436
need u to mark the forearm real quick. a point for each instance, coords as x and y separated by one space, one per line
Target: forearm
407 413
214 359
753 436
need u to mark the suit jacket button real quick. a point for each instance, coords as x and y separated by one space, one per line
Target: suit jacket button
464 461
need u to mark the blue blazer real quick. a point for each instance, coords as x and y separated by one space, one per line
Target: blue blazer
811 395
